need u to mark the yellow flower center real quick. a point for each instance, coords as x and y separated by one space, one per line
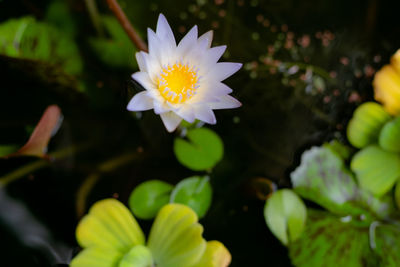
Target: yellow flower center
177 83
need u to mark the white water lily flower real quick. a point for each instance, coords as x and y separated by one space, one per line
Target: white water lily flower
182 81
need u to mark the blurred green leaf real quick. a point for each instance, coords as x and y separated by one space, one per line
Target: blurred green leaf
340 149
116 51
97 257
138 256
202 151
285 214
376 169
26 38
387 244
149 197
58 14
331 241
389 137
368 119
195 192
397 194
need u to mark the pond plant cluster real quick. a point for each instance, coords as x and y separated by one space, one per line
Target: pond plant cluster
158 187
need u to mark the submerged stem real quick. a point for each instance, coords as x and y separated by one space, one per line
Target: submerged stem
123 20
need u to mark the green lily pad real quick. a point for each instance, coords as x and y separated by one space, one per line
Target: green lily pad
389 138
368 119
323 178
138 256
195 192
376 169
176 237
202 151
332 241
285 214
149 197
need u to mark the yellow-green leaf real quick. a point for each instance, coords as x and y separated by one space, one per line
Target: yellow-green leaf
285 214
176 237
138 256
109 224
97 257
389 138
368 119
216 255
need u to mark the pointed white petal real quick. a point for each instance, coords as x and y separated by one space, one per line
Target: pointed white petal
187 113
155 46
141 101
141 60
204 113
188 41
225 102
144 79
208 36
223 70
211 57
164 31
220 89
170 120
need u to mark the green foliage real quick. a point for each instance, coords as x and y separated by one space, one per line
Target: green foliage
26 38
368 119
389 138
397 194
285 214
341 150
58 14
376 169
202 151
138 256
149 197
387 244
117 50
332 241
195 192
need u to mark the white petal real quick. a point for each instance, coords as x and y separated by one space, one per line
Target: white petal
204 113
187 113
141 60
144 79
170 120
164 31
225 102
160 107
155 46
223 70
141 101
188 41
211 57
220 89
208 36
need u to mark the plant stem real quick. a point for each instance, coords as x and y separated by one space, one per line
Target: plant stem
39 164
123 20
94 16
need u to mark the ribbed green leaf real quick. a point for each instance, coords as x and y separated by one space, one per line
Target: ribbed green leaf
138 256
97 257
376 170
389 138
216 255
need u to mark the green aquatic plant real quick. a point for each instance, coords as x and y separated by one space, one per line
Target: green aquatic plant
110 236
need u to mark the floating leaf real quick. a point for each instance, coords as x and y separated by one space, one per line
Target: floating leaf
109 224
216 255
332 241
175 238
389 138
368 119
376 170
26 38
44 130
285 214
195 192
138 256
97 257
149 197
203 150
113 51
323 178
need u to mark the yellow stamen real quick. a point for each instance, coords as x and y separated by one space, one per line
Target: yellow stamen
177 83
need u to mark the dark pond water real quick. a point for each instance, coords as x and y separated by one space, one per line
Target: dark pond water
280 117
